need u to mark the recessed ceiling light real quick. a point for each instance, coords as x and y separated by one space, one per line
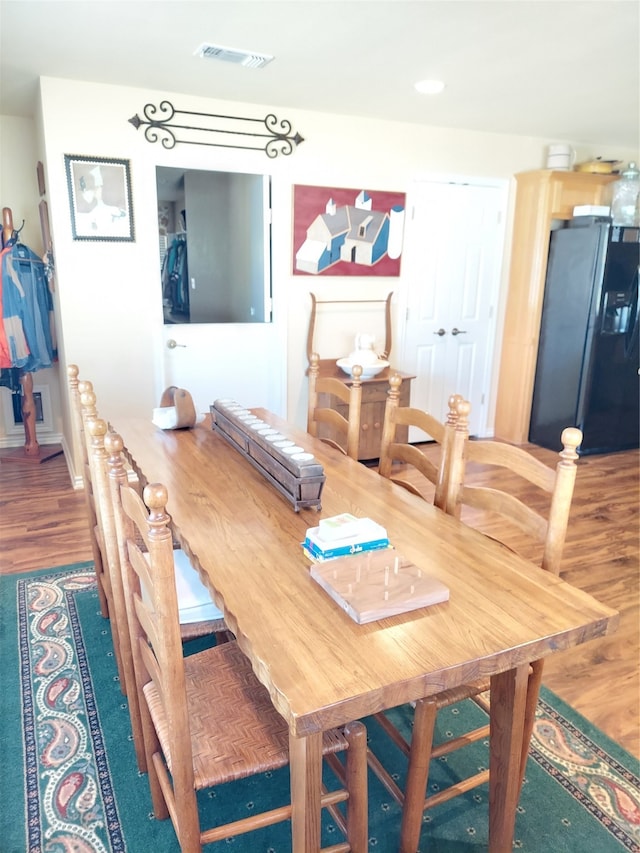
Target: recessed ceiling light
429 87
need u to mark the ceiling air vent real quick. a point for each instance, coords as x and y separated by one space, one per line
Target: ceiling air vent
231 54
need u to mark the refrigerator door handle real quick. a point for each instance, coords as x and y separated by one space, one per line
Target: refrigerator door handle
632 330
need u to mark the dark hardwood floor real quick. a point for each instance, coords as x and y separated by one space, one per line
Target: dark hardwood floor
43 524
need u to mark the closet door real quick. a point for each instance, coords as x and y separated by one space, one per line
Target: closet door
453 254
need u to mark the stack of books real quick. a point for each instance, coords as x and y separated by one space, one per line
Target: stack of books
342 535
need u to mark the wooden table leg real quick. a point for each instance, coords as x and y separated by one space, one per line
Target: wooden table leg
305 757
508 702
533 692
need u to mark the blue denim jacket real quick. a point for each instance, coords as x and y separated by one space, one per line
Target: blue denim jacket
27 309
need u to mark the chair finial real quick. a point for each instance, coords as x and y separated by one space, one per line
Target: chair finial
155 497
463 408
97 427
395 381
453 414
114 444
571 439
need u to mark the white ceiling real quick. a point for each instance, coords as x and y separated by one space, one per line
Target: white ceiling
558 69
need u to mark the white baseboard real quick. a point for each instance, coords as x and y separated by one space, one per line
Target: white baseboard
11 441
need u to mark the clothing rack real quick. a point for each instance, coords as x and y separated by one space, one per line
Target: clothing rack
31 452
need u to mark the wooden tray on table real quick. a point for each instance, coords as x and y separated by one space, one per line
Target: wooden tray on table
375 584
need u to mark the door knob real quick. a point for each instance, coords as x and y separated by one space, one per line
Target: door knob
171 344
455 331
440 332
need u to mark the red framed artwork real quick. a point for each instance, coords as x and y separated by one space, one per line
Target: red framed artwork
347 232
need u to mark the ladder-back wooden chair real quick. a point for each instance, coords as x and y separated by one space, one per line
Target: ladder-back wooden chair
548 530
103 544
198 615
349 397
434 467
207 720
80 439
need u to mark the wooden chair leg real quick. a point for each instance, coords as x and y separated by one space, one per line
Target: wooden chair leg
356 782
100 580
189 821
179 800
417 774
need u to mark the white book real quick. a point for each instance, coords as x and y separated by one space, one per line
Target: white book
339 526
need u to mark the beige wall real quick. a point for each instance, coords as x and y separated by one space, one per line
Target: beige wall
108 314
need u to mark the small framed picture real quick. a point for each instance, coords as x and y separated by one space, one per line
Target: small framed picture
40 173
45 228
99 198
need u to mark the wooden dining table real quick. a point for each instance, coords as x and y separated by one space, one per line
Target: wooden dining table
323 669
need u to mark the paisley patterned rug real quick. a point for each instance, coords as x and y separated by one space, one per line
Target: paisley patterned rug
69 782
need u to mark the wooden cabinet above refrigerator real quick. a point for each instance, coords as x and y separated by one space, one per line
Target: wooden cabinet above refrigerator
541 196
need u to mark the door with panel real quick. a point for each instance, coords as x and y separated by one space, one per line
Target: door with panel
453 252
225 341
240 361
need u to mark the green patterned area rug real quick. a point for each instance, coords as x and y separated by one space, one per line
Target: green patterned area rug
69 782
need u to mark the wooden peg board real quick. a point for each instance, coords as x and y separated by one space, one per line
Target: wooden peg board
377 584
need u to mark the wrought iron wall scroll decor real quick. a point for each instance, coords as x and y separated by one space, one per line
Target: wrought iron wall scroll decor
279 139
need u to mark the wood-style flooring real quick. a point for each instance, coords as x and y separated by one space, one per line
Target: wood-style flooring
43 524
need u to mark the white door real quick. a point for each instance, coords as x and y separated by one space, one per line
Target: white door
453 252
243 361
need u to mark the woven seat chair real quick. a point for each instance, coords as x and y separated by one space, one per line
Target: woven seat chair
103 546
349 400
507 464
207 720
197 613
436 473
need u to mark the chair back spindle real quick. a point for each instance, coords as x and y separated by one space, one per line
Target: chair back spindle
348 395
446 435
516 465
80 443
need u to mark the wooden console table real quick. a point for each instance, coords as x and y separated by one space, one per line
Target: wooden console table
374 396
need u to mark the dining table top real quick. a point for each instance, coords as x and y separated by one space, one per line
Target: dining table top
322 668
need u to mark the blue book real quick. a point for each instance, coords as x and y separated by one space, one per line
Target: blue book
343 550
344 534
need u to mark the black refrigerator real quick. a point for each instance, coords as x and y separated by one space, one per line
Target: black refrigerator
587 367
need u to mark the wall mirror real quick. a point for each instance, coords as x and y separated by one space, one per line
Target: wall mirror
215 246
